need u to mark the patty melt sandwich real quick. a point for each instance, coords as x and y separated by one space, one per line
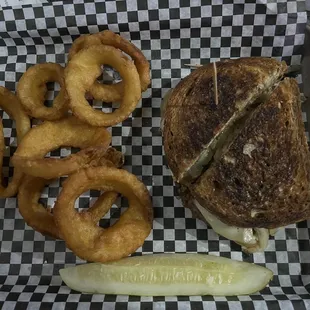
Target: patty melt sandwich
235 142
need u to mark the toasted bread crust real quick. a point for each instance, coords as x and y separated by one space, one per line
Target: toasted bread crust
193 116
263 180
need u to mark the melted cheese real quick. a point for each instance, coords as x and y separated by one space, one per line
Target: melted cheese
251 240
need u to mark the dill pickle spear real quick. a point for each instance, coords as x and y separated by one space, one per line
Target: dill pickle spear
168 275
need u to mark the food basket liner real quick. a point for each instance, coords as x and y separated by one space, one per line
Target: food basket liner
171 34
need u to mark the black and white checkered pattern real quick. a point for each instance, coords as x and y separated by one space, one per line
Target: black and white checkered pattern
171 33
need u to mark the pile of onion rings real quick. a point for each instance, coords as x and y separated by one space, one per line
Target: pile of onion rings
96 165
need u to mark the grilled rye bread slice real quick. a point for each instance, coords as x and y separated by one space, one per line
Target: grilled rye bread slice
262 179
205 106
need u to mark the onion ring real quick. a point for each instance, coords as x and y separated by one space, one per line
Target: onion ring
112 93
81 73
11 105
48 136
31 90
41 219
94 243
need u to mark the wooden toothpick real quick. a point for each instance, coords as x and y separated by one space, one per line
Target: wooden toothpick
215 84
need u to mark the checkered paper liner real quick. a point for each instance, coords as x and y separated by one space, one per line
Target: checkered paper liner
170 34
